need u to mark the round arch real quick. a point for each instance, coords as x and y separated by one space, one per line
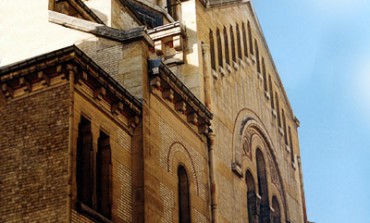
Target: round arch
248 127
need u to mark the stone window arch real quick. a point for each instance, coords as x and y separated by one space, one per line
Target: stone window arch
219 47
245 43
264 75
226 43
284 127
183 195
257 56
278 109
271 93
264 216
232 40
250 38
277 212
251 198
212 49
238 41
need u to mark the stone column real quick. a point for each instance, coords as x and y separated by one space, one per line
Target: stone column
207 71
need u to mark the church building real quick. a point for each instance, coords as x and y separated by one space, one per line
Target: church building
133 111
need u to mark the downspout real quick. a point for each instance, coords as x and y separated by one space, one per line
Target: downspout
211 136
302 190
71 72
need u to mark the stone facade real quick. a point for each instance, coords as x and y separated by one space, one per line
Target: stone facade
139 99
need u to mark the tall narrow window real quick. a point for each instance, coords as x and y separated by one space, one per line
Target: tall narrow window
173 7
264 75
276 215
245 43
226 39
212 49
291 145
250 38
251 198
183 195
103 176
264 216
278 109
238 41
271 93
84 171
232 37
284 127
257 57
219 48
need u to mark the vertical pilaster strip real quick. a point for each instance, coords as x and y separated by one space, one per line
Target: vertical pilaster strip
70 72
207 70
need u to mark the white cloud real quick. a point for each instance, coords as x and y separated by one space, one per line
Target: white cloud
359 87
337 7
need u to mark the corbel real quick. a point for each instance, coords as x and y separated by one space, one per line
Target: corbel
134 121
45 79
116 107
180 106
177 42
81 78
24 83
203 128
168 94
7 91
193 118
69 72
155 84
99 93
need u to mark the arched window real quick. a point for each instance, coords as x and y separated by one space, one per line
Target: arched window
278 109
276 215
251 198
264 75
291 145
250 38
264 216
103 176
226 43
183 195
257 56
238 41
212 49
284 127
245 43
219 48
271 93
232 37
174 9
84 167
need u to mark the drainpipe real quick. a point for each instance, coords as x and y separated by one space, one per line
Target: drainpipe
302 189
211 136
71 72
212 177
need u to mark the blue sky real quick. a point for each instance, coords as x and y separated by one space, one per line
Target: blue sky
322 52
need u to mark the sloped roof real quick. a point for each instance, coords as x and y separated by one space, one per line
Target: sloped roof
10 75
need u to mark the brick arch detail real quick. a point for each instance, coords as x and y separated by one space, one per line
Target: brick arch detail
178 147
247 126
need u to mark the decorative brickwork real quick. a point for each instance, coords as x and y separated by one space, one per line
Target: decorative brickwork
172 143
